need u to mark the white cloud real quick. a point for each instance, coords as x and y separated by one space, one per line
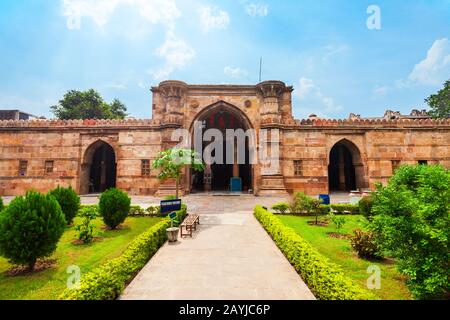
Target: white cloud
257 10
155 11
117 85
311 94
435 68
213 18
381 90
235 72
176 53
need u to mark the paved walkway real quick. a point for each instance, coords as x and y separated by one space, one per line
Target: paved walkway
229 257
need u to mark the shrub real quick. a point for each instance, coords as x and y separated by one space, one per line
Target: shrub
365 207
411 223
108 281
136 211
281 208
338 221
363 243
68 200
30 228
153 211
170 198
114 207
84 209
303 204
345 209
86 228
325 279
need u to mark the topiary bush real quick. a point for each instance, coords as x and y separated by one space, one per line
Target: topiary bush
114 207
30 228
411 223
281 208
325 279
365 207
69 202
363 243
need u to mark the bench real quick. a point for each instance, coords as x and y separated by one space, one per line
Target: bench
190 224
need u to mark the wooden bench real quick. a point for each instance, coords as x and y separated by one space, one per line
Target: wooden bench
190 225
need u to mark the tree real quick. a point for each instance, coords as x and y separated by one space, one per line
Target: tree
88 105
30 228
411 223
440 102
69 202
172 161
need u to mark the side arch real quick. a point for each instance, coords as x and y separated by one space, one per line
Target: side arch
346 169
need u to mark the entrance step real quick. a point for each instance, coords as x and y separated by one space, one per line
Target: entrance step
272 185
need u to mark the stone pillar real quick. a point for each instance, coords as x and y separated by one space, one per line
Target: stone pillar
271 92
272 180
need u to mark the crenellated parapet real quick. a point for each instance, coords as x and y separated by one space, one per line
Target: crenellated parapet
80 124
373 123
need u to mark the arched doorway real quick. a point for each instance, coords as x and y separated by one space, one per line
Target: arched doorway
345 170
218 175
98 168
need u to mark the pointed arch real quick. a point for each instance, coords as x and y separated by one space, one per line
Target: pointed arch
346 170
98 168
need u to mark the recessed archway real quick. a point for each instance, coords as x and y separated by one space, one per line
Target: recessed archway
222 116
345 169
98 171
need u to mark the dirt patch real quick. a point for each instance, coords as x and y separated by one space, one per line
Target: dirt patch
318 224
79 242
339 236
41 265
118 228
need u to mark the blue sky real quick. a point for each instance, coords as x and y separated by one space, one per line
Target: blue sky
324 48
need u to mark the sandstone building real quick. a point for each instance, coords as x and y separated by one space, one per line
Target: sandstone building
317 155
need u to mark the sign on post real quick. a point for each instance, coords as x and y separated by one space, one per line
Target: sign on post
170 206
173 215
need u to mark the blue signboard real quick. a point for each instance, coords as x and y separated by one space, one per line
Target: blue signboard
170 205
325 198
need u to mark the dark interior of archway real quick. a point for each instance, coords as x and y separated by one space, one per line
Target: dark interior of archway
103 169
341 171
221 174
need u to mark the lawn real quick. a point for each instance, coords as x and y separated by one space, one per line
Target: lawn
48 284
339 251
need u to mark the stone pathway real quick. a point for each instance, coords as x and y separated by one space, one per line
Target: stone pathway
230 257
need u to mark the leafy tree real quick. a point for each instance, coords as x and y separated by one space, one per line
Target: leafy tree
30 228
88 105
69 202
440 102
338 221
411 223
172 161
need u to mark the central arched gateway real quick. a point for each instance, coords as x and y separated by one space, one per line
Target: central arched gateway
218 176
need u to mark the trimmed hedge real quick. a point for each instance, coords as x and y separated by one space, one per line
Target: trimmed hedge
325 279
108 281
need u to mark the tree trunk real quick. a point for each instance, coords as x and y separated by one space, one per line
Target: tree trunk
31 265
178 184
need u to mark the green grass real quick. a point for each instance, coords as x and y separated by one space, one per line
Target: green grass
339 251
49 284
